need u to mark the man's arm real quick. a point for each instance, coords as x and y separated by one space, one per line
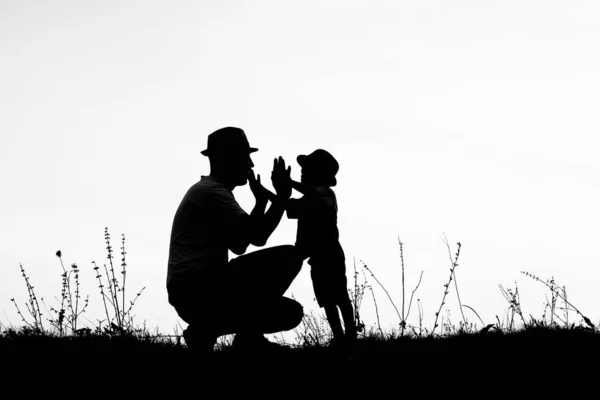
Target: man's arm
257 227
259 209
293 206
263 225
255 216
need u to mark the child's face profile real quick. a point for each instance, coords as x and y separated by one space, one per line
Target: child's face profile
308 175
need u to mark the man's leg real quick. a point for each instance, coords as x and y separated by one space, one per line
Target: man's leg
246 296
266 273
260 279
280 314
200 300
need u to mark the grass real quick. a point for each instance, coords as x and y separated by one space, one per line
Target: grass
60 333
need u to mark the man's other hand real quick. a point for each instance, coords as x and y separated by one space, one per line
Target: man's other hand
261 194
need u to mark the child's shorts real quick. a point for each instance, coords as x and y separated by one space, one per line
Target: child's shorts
329 281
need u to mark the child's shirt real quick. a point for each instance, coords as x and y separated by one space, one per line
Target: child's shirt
317 236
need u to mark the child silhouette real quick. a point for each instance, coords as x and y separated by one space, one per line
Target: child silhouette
318 240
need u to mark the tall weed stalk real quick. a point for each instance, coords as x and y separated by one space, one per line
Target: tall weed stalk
118 315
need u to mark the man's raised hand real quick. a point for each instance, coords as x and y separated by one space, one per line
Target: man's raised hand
280 177
261 194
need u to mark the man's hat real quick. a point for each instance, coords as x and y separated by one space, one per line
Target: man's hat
227 139
322 161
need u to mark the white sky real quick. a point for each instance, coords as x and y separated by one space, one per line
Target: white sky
477 119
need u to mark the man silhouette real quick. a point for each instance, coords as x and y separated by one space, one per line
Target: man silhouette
244 296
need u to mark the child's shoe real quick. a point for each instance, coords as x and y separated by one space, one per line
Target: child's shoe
338 344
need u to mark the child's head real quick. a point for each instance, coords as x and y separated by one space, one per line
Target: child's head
318 168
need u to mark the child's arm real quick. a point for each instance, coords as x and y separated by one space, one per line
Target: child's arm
293 206
272 196
302 187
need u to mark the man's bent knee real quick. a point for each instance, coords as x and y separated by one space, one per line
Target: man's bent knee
297 313
294 312
288 257
293 258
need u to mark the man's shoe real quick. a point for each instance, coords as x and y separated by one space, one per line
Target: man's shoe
255 343
199 340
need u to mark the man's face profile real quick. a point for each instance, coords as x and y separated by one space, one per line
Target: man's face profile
235 164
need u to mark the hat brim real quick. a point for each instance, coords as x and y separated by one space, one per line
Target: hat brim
207 152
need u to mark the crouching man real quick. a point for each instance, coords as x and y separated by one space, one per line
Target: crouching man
244 296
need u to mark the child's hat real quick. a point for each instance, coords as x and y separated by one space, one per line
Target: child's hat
322 161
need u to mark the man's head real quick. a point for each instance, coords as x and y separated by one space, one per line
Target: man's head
229 153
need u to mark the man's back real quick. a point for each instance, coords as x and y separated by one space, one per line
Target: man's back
198 236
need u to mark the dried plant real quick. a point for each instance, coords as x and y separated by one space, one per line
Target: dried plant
404 316
120 319
313 331
383 287
356 296
454 265
556 293
419 333
32 305
67 317
446 287
514 304
376 311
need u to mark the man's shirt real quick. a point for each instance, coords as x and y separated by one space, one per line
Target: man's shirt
201 229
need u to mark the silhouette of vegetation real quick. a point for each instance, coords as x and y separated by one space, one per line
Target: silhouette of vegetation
65 319
118 333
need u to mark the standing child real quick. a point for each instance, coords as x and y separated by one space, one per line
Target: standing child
318 240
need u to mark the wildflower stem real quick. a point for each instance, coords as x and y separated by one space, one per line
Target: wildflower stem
413 293
446 289
96 268
124 265
67 286
455 280
553 289
114 283
376 310
403 322
384 289
472 309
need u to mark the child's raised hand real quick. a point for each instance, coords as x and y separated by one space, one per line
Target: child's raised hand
280 176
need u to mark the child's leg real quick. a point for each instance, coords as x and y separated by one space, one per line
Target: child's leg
348 315
333 317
